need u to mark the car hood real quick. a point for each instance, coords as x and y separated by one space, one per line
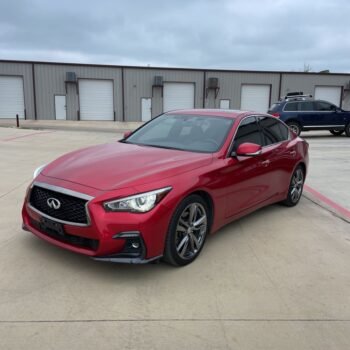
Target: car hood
118 165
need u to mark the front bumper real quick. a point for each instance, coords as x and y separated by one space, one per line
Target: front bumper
104 237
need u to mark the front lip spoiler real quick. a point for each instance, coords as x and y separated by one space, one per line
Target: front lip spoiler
125 260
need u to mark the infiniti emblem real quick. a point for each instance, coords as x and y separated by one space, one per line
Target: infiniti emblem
53 203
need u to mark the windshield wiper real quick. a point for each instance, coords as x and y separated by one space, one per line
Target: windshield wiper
166 147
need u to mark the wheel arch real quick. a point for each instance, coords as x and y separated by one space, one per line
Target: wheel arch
293 120
303 165
209 201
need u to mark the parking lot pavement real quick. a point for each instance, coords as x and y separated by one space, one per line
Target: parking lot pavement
276 279
330 166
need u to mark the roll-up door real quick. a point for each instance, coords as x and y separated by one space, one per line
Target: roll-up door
11 97
178 96
255 98
328 93
96 99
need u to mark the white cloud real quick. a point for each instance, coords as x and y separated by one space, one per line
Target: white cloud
251 34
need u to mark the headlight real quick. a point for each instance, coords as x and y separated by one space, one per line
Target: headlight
38 170
140 203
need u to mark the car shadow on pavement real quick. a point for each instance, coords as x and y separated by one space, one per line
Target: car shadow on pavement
226 238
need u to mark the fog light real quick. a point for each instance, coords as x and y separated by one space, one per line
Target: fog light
135 245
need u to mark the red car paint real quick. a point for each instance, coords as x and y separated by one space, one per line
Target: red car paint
236 185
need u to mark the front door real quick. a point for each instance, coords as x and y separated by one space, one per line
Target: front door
60 107
244 177
146 109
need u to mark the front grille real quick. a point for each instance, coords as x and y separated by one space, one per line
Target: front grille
76 241
72 209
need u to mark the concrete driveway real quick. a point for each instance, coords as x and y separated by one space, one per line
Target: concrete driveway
277 279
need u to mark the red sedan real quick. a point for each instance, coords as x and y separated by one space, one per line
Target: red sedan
162 189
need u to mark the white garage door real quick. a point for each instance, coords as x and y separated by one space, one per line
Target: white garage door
255 98
96 99
178 96
328 93
11 97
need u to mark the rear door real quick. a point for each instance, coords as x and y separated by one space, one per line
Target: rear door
279 155
308 114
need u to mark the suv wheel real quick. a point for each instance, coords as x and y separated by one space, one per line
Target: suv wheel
295 127
336 132
347 130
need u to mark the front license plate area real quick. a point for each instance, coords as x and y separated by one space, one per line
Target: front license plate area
51 227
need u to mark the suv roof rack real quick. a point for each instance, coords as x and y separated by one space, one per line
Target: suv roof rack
296 96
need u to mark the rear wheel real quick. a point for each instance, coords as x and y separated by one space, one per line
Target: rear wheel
336 132
295 127
347 130
187 231
296 186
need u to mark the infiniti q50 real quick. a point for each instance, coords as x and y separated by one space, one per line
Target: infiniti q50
162 189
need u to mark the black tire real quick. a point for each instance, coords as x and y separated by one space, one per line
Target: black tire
347 130
336 132
181 255
295 127
296 184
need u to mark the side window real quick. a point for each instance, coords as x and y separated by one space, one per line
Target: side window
273 130
291 107
324 106
248 131
306 106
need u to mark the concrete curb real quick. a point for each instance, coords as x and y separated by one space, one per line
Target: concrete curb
72 125
326 203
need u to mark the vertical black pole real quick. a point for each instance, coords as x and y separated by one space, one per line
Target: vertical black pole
123 96
34 92
17 121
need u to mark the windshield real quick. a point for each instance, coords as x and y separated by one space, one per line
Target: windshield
184 132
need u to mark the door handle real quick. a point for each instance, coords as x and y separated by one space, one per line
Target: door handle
265 163
293 153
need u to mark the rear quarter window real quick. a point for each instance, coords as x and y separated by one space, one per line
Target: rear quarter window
274 131
291 107
275 107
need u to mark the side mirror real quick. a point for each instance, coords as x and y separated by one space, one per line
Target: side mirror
248 149
127 134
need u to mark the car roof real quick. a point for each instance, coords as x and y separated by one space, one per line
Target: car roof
228 113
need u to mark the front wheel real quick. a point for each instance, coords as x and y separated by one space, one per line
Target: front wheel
336 132
187 231
295 127
347 130
295 187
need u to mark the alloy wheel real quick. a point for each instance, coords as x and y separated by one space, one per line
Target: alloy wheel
296 187
295 128
191 230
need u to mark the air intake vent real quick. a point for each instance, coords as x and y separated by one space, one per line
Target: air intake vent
158 80
213 83
71 77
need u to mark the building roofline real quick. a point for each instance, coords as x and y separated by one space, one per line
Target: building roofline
171 68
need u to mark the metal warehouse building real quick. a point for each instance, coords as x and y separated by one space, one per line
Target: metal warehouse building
43 90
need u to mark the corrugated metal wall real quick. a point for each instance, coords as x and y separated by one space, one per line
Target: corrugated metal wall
231 84
138 84
308 82
50 81
23 70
